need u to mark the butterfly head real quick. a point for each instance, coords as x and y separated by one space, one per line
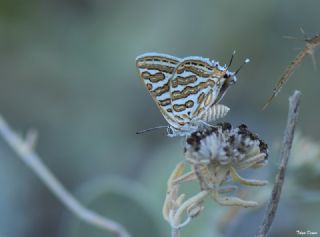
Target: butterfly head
230 78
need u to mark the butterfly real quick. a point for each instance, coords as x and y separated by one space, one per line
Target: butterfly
187 91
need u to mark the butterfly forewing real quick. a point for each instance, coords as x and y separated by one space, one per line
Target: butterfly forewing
156 71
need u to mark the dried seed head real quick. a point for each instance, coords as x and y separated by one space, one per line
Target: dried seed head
225 145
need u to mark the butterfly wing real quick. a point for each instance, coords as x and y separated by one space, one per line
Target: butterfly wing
156 71
195 86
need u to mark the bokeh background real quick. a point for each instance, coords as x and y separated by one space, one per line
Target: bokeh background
67 69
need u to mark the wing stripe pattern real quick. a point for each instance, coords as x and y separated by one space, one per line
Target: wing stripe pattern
153 77
189 90
183 80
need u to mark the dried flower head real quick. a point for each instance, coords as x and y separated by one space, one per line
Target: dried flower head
225 145
215 155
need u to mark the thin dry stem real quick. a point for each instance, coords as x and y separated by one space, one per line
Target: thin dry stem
172 200
198 198
294 102
201 179
25 152
175 232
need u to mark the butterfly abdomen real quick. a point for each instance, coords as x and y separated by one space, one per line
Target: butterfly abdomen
214 113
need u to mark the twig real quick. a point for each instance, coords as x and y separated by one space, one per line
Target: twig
271 209
32 160
202 182
175 232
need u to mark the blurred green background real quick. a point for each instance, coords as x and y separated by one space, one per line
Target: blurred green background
68 70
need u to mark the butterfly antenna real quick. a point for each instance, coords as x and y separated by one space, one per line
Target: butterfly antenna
231 59
150 129
291 37
303 33
247 60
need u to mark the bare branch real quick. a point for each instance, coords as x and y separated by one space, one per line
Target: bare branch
25 151
201 179
175 232
271 209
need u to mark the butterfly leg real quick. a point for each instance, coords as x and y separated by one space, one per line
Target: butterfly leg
206 124
249 182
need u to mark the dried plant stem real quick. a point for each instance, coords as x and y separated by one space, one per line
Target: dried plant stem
185 205
202 182
175 232
271 209
33 161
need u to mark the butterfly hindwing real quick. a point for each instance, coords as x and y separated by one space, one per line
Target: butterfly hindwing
194 88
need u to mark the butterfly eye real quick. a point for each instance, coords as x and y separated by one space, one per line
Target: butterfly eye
226 75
